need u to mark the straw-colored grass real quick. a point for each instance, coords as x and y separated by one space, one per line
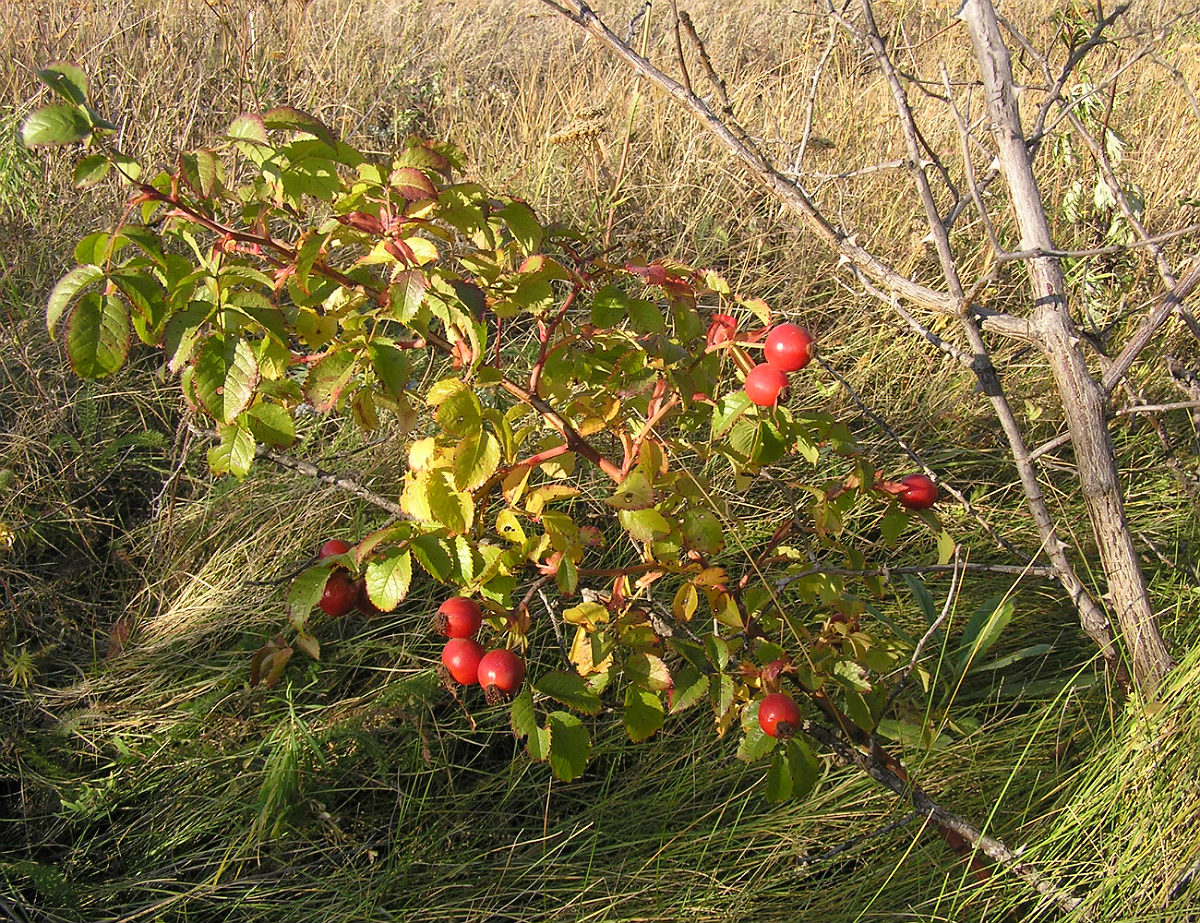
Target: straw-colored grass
140 777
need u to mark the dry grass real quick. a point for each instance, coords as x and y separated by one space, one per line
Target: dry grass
149 783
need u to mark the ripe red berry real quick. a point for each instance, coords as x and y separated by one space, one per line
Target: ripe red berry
763 384
332 547
461 658
340 594
458 617
501 671
920 493
363 600
788 347
778 715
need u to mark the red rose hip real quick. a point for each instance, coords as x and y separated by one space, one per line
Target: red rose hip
788 347
764 383
778 715
458 617
339 596
501 671
332 547
920 493
461 658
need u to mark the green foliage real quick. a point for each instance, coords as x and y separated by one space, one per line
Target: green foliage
283 272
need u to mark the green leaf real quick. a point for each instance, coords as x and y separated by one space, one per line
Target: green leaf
430 552
648 671
271 424
634 493
391 367
90 170
945 547
570 745
406 293
460 414
57 124
804 765
646 316
289 118
65 291
98 335
327 379
755 743
524 724
226 375
304 593
200 170
452 508
609 307
643 713
248 127
66 80
234 454
571 690
523 225
720 693
388 579
779 778
475 460
689 688
644 525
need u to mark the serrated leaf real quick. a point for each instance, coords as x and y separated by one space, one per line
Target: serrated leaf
570 745
58 124
431 554
509 527
98 335
804 765
289 118
720 693
248 127
779 778
476 459
522 717
304 593
755 742
327 379
412 184
226 376
234 454
391 367
685 603
66 80
571 690
406 293
523 225
66 290
945 547
460 414
309 645
90 170
644 525
272 425
610 306
388 579
646 317
634 493
648 671
690 686
452 508
643 713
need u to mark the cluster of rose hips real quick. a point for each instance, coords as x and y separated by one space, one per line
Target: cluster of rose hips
788 348
342 592
499 672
